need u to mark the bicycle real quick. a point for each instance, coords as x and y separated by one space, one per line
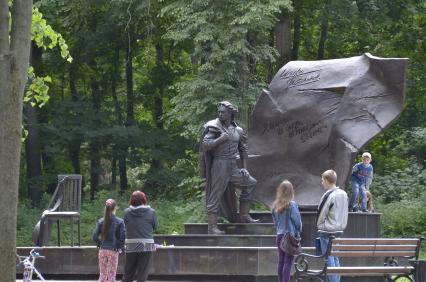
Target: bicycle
28 262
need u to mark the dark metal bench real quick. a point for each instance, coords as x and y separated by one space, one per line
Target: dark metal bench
64 205
390 249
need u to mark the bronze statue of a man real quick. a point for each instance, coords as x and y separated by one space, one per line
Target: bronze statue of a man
222 141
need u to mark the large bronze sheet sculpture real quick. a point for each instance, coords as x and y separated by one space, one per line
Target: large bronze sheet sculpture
316 116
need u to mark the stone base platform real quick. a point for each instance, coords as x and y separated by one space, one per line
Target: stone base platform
247 253
360 225
183 263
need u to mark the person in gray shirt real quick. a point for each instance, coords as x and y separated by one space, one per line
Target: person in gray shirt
332 216
141 221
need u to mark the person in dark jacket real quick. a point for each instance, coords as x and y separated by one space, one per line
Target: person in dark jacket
112 233
141 221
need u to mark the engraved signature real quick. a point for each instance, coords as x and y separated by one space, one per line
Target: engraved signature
300 77
306 131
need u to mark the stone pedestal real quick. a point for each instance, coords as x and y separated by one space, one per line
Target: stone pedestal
360 225
246 253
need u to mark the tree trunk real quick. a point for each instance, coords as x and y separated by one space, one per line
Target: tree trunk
114 169
33 155
297 4
122 169
95 160
283 38
323 38
129 85
95 166
114 81
324 31
74 151
270 73
32 142
14 59
158 99
74 146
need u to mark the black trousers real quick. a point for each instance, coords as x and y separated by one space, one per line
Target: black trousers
137 266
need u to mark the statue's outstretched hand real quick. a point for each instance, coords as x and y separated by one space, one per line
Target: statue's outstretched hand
244 172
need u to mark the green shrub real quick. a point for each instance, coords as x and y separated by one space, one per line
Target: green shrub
172 214
404 219
399 184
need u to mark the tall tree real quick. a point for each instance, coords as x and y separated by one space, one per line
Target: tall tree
14 60
297 5
217 32
324 31
32 141
283 38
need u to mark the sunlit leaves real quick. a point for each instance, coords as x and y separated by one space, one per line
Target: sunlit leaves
37 91
45 37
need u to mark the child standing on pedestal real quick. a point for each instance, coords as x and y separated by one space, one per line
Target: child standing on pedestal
362 176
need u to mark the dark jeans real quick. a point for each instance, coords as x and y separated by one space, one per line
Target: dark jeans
137 266
285 262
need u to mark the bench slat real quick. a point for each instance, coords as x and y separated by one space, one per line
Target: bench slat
374 247
376 241
373 253
379 270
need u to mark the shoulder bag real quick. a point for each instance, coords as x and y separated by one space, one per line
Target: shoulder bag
290 244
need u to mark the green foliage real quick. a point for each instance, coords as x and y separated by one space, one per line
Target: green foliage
37 92
398 159
219 36
172 214
406 218
403 183
45 37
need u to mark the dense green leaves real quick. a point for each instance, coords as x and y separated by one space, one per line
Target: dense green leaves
225 39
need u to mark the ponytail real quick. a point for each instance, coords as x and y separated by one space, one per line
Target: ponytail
110 205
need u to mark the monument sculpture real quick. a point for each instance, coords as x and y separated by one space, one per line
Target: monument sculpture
316 116
222 141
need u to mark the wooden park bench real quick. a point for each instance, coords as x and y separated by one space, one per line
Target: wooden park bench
392 250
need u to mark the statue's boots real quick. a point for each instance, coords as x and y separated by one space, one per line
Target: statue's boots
244 213
212 221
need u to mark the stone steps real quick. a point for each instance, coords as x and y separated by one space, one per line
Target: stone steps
360 225
233 228
227 240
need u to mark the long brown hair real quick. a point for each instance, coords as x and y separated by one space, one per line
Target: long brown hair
110 205
285 194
